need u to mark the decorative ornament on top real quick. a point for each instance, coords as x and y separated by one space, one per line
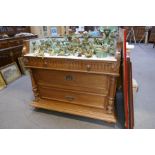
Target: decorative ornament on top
73 45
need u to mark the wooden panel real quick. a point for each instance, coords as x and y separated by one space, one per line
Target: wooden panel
87 99
72 80
75 109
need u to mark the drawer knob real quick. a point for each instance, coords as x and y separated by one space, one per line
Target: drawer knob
88 67
69 98
69 77
45 63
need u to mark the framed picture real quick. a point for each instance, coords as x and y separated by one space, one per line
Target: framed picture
10 72
2 82
22 67
44 28
54 31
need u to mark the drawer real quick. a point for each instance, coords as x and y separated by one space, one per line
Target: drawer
91 100
110 67
88 82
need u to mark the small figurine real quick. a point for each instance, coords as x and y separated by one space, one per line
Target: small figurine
72 45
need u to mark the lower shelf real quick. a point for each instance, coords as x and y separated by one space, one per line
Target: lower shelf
74 109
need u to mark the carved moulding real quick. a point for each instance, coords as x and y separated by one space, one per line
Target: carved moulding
109 67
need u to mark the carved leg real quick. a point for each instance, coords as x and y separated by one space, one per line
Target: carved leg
111 98
34 87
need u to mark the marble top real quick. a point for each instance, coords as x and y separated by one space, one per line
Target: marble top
46 55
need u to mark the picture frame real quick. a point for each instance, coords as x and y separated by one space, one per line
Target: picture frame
2 82
22 67
54 31
10 72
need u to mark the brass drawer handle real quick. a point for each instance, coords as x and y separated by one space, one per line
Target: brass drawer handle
45 62
69 98
88 67
68 77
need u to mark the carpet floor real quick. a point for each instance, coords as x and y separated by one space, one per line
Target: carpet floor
16 112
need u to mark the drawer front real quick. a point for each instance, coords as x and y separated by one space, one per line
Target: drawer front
86 99
95 83
91 66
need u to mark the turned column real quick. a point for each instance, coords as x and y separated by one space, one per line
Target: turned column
34 86
111 98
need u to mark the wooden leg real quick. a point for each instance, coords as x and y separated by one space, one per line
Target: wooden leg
34 86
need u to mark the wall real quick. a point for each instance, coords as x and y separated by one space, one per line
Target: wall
41 33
